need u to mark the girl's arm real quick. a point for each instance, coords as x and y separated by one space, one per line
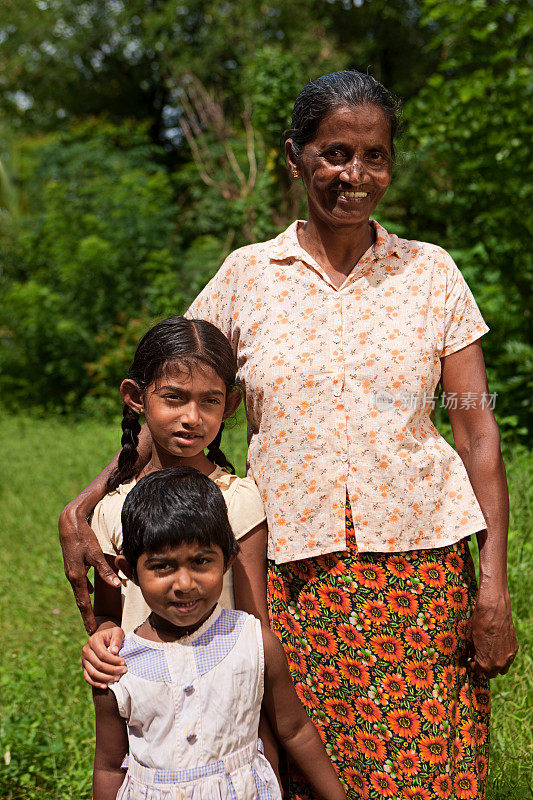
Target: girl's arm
111 746
80 546
249 589
477 439
291 724
249 574
100 666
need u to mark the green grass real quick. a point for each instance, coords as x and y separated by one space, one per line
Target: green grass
46 727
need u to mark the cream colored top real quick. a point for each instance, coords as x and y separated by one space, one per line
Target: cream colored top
338 384
245 511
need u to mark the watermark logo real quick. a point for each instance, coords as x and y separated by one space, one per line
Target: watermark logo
385 400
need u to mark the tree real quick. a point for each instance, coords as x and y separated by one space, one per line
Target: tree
465 183
99 240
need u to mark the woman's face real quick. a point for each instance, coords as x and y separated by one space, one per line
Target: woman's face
347 167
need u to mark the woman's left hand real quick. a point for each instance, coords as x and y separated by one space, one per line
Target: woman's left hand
493 644
493 637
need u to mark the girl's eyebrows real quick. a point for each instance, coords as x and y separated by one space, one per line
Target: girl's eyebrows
176 386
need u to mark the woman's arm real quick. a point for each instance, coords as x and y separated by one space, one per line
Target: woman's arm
249 574
477 440
291 724
111 746
80 546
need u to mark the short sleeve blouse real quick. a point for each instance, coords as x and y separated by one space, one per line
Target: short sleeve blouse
339 385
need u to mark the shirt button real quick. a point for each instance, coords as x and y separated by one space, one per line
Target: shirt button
336 392
189 690
344 457
191 738
336 339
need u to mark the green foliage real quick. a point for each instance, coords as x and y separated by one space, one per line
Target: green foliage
99 239
465 182
271 80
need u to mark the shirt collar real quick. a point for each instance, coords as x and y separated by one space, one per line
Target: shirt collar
286 245
386 244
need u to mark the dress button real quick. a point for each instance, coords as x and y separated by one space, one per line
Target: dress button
344 457
336 339
336 392
191 738
189 690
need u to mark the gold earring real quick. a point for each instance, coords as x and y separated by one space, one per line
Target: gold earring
295 173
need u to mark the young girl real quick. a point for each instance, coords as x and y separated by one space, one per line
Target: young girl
182 380
186 713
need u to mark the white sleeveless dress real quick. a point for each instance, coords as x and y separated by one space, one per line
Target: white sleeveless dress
192 709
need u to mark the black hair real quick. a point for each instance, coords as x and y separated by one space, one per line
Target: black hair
189 343
175 506
329 92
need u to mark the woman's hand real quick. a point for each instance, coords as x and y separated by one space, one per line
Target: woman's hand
101 664
493 637
80 546
80 552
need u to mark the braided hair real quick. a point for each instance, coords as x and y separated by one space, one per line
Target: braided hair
177 339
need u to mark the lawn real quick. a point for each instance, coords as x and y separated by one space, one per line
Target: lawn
46 727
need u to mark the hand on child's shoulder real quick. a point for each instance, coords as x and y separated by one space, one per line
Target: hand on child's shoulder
100 660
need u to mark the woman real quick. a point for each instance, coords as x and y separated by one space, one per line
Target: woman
342 334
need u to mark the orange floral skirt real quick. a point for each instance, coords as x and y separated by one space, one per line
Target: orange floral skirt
376 645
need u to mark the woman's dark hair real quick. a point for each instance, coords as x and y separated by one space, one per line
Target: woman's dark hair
175 506
329 92
188 343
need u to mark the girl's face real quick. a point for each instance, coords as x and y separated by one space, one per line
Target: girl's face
184 410
347 167
182 584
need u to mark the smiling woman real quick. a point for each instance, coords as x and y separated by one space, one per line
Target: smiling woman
369 510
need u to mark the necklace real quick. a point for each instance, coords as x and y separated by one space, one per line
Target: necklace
171 630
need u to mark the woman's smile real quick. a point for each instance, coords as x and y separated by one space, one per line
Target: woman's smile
349 195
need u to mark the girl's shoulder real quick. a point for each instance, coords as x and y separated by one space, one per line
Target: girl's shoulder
106 518
243 500
228 481
115 499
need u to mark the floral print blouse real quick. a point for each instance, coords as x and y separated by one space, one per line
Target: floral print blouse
339 386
